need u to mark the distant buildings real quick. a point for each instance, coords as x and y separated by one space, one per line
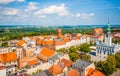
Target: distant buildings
103 49
97 34
32 54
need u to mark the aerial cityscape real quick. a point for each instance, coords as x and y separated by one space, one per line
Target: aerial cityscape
59 38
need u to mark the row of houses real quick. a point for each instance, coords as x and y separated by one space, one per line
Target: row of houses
36 53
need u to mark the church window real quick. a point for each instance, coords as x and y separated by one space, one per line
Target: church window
104 52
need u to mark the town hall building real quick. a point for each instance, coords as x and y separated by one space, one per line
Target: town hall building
103 49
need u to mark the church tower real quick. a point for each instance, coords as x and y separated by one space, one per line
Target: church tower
108 39
59 33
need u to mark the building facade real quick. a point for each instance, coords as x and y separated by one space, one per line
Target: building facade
103 49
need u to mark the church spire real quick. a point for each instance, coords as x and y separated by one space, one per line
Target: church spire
108 28
108 39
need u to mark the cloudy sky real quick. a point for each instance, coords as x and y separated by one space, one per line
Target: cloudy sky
59 12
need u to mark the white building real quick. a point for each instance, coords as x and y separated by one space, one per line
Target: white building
2 71
106 48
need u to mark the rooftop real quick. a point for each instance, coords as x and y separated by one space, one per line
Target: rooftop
1 67
32 62
82 64
21 42
46 53
93 72
8 57
55 69
66 62
73 72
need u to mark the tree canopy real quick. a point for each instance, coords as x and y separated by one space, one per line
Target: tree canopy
86 57
73 56
84 48
4 44
110 65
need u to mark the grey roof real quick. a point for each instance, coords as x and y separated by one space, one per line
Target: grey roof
53 58
43 73
60 54
82 64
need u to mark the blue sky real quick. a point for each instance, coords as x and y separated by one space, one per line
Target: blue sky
59 12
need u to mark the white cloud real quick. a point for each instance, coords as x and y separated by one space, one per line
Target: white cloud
78 15
84 15
31 6
53 9
10 11
9 1
20 0
42 16
91 14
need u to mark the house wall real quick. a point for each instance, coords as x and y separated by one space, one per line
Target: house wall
3 72
60 46
10 70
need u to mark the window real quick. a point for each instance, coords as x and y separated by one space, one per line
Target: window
104 52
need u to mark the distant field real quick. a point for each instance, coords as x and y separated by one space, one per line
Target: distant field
17 32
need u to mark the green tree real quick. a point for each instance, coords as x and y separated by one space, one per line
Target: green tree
99 65
4 44
86 57
117 57
72 49
73 56
108 68
111 59
84 48
62 50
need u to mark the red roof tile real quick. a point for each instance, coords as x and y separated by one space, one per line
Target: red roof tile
66 62
93 72
55 69
60 43
45 53
1 67
73 73
32 62
8 57
67 39
21 42
97 31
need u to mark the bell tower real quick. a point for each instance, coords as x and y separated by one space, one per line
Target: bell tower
59 33
108 39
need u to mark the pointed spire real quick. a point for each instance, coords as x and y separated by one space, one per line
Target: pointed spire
108 28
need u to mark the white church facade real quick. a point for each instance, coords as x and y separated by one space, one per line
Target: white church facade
103 49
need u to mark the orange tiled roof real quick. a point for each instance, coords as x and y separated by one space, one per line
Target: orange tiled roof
86 35
35 38
46 53
32 62
39 42
93 72
49 42
66 62
78 37
1 67
60 42
67 40
55 69
73 73
21 42
8 57
98 30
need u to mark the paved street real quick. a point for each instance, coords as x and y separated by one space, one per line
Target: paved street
116 73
